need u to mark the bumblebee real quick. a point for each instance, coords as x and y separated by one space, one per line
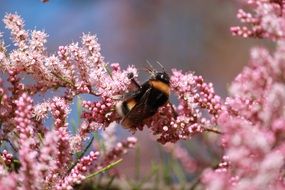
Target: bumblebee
144 102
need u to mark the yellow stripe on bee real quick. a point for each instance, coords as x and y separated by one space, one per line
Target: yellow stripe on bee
131 103
163 87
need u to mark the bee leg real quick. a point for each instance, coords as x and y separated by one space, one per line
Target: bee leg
131 77
173 110
132 130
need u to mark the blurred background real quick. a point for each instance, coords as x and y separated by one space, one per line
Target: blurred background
189 35
192 35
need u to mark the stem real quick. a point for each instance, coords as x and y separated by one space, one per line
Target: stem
195 184
11 144
104 169
40 138
81 155
63 79
110 182
214 130
108 70
137 163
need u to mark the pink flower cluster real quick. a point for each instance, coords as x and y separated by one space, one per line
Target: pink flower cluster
76 175
6 157
253 118
266 21
195 97
40 156
118 150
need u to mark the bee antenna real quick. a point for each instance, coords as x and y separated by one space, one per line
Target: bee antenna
140 69
147 69
150 69
150 65
160 65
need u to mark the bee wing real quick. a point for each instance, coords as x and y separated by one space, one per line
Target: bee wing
139 112
130 95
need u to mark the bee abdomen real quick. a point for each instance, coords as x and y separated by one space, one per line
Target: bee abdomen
124 107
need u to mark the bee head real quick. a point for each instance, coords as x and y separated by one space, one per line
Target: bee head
162 76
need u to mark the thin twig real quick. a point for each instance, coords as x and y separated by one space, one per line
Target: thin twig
104 169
